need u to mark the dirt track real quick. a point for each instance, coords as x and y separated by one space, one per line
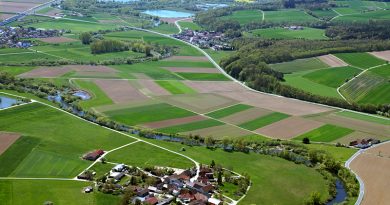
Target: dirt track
374 171
332 61
6 140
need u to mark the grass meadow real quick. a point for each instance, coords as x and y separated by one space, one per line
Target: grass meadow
228 111
326 133
332 77
98 97
204 76
361 60
190 25
176 87
294 16
263 121
190 126
16 70
245 16
166 29
364 117
299 65
282 33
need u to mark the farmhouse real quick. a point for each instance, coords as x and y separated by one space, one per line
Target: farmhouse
93 156
364 143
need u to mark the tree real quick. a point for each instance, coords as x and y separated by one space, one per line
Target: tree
85 38
306 140
209 142
219 178
138 202
212 164
314 199
133 180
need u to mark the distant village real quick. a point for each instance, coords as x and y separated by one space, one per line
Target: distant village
18 37
162 185
205 39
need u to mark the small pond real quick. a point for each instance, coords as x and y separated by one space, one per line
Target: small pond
7 102
168 13
82 94
341 194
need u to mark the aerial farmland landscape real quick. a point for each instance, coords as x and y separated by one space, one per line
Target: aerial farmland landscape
198 102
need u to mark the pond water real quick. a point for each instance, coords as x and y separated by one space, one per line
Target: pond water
7 102
82 94
168 13
341 194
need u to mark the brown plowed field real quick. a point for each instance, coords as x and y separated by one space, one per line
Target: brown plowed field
170 20
151 87
120 91
43 72
214 87
191 70
59 39
374 170
6 140
5 16
15 7
172 122
278 104
218 132
332 61
289 128
246 115
91 68
385 55
187 58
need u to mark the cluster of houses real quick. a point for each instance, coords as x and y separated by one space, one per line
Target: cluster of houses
205 39
94 155
293 28
18 37
364 143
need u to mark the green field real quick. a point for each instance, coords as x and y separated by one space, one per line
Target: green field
25 58
204 76
283 33
166 29
176 87
245 16
147 113
15 70
189 25
332 77
363 117
366 17
341 154
263 121
294 16
326 133
74 26
142 155
361 60
218 55
299 65
98 97
43 153
190 126
228 111
324 14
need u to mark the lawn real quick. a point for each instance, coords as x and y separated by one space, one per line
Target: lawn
326 133
176 87
98 97
147 113
189 25
143 155
15 70
299 65
263 121
228 111
56 141
58 192
204 76
282 33
332 77
368 118
294 16
245 16
361 60
190 126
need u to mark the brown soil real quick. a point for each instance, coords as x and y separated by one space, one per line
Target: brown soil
278 104
214 87
332 61
152 88
170 20
172 122
57 39
6 16
14 7
374 171
289 128
46 72
385 55
91 68
187 58
191 70
246 115
120 91
6 140
96 74
218 132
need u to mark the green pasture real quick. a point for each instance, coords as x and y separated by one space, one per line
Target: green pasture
361 60
143 114
25 58
228 111
218 55
166 29
325 133
151 69
204 76
299 65
189 25
283 33
263 121
365 17
342 154
73 25
144 155
190 126
16 70
332 77
325 14
98 97
176 87
288 16
368 118
245 16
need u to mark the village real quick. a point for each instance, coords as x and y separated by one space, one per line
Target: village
164 185
18 37
205 39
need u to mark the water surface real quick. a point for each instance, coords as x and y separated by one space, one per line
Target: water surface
6 102
168 13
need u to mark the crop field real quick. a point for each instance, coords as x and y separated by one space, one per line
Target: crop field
16 70
98 97
47 144
299 65
190 25
144 114
361 60
204 76
166 29
364 117
190 126
228 111
245 16
282 33
175 87
294 16
24 58
263 121
74 26
326 14
365 17
218 55
326 133
332 77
